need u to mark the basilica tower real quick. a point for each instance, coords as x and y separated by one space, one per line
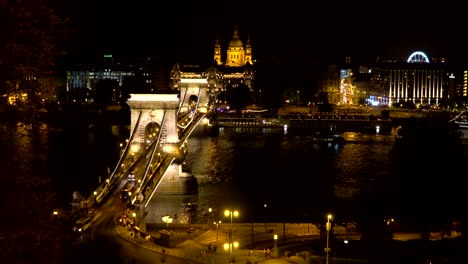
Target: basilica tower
217 53
248 52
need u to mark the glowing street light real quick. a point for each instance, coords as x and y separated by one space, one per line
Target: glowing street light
275 247
209 220
134 218
328 227
217 225
167 219
229 213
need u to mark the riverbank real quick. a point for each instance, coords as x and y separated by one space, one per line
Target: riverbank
297 245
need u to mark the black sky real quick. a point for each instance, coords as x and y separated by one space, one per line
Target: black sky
309 29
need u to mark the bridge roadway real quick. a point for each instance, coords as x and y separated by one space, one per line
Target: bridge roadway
149 166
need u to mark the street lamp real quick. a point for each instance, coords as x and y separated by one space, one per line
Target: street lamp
217 225
328 227
275 247
167 219
134 218
209 215
229 213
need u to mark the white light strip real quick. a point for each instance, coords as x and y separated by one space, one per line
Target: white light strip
193 81
154 97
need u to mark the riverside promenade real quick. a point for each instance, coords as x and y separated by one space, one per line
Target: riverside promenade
257 245
296 243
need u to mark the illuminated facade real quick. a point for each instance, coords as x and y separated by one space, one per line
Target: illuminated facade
329 83
346 87
237 69
416 81
82 79
464 88
236 54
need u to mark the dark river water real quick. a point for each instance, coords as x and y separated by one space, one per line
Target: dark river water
298 179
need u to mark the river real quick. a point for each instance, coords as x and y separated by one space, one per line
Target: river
266 174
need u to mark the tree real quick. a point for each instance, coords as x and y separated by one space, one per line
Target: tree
29 34
105 92
239 97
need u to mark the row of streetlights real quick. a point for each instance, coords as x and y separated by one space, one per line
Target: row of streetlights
229 246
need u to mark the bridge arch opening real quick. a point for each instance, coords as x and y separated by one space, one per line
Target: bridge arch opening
152 130
192 102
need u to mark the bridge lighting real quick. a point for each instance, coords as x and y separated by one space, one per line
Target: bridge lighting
194 80
135 148
170 149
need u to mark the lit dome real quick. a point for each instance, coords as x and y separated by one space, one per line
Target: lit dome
236 43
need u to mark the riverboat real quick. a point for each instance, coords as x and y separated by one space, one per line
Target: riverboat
463 128
461 120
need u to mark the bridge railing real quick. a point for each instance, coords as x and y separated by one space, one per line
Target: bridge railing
154 170
159 166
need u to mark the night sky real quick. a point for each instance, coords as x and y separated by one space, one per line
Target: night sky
187 30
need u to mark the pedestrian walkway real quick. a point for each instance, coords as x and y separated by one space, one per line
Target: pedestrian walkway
200 247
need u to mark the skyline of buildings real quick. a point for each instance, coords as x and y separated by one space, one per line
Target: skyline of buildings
417 80
419 83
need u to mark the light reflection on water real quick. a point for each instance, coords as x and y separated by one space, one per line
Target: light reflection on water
296 176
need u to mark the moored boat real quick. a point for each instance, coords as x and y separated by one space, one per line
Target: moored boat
461 120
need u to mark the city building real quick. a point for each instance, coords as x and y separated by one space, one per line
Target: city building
417 81
136 75
225 73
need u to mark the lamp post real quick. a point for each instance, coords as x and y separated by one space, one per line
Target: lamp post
134 218
275 247
328 227
217 225
210 210
229 213
167 219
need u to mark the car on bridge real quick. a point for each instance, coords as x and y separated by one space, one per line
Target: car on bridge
82 224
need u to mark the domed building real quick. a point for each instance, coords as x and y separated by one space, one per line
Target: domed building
237 55
236 68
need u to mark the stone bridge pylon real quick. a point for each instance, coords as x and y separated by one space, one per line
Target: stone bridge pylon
154 118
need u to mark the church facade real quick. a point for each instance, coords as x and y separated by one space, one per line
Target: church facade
226 72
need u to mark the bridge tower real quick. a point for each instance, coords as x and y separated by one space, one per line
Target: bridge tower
194 94
152 107
151 114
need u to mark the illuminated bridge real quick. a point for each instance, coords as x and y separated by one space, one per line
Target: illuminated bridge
159 128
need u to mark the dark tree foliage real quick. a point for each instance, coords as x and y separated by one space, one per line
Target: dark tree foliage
29 34
428 157
31 233
104 92
239 97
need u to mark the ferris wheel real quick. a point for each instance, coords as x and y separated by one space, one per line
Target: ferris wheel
418 57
